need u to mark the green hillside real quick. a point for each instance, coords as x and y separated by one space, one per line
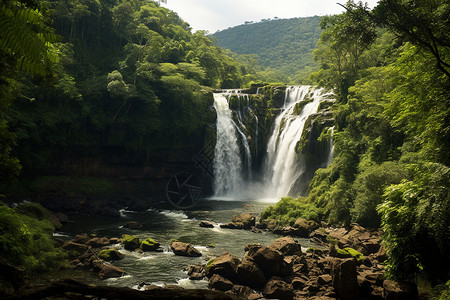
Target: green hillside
285 45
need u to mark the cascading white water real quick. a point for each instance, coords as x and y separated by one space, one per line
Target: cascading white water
282 168
227 160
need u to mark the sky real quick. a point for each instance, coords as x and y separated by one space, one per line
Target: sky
213 15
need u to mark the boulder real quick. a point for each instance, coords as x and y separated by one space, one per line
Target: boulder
74 249
220 283
97 265
344 276
249 274
233 225
110 254
149 245
399 291
207 224
81 239
224 265
110 271
130 242
303 227
196 272
287 246
247 220
98 242
270 261
278 289
133 225
184 249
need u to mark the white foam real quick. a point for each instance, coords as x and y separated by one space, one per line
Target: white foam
60 234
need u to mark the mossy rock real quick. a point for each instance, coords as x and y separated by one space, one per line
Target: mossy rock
149 245
300 105
110 254
130 242
349 253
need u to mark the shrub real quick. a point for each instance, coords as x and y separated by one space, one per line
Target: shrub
27 241
415 219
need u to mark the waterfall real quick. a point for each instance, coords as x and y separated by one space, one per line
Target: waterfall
282 166
227 160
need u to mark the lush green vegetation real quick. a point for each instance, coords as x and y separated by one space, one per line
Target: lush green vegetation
389 68
27 240
127 74
283 47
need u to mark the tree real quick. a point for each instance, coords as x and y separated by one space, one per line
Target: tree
341 46
425 23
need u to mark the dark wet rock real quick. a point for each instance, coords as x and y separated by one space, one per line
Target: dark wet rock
303 227
399 291
97 265
62 218
220 283
110 254
110 271
81 239
319 235
11 278
207 224
224 265
130 242
286 246
278 289
74 249
184 249
98 242
249 274
344 275
149 245
232 225
133 225
196 272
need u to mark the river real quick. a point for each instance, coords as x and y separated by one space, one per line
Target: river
164 225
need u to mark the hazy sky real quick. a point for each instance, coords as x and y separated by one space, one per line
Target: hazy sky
213 15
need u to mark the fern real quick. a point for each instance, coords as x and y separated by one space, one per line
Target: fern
24 35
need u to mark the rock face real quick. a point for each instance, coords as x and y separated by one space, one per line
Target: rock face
345 282
184 249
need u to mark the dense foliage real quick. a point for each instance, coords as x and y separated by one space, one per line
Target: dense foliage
26 240
282 46
125 74
389 70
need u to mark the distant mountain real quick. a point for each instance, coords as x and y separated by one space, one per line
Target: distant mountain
281 44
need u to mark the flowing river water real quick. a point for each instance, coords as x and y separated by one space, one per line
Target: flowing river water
165 225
